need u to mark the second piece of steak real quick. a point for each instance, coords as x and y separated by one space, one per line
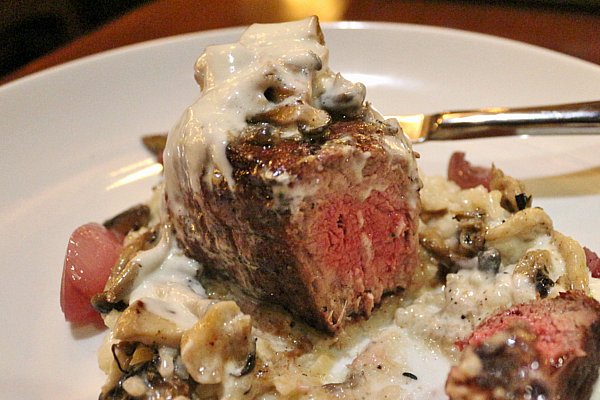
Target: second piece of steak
547 349
323 226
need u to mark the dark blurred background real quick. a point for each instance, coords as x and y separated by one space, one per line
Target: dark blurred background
32 28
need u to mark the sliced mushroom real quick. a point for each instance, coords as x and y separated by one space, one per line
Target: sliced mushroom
218 343
122 353
343 98
525 224
141 355
535 264
131 219
276 93
431 240
155 143
514 194
308 119
139 324
142 379
470 253
577 274
514 236
471 233
123 274
262 134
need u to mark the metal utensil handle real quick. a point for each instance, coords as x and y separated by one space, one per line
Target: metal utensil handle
576 119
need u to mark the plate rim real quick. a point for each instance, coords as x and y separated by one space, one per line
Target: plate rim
326 26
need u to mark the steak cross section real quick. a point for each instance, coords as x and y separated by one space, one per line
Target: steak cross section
546 349
323 226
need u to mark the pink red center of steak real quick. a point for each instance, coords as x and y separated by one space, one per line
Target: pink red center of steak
364 241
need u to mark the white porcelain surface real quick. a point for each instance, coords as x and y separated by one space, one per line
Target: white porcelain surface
72 133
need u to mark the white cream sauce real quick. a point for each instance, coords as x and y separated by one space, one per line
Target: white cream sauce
166 281
399 364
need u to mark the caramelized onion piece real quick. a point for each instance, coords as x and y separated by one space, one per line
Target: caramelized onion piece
466 175
593 262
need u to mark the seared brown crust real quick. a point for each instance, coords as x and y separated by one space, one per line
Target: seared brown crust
264 234
546 349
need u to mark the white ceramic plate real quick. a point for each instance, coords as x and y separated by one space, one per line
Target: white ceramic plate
71 139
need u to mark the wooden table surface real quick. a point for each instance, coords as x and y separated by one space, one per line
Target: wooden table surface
567 31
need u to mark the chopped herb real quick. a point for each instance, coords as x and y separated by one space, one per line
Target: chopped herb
409 375
522 200
543 284
250 364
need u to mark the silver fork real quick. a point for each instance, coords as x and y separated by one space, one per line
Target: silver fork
561 119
